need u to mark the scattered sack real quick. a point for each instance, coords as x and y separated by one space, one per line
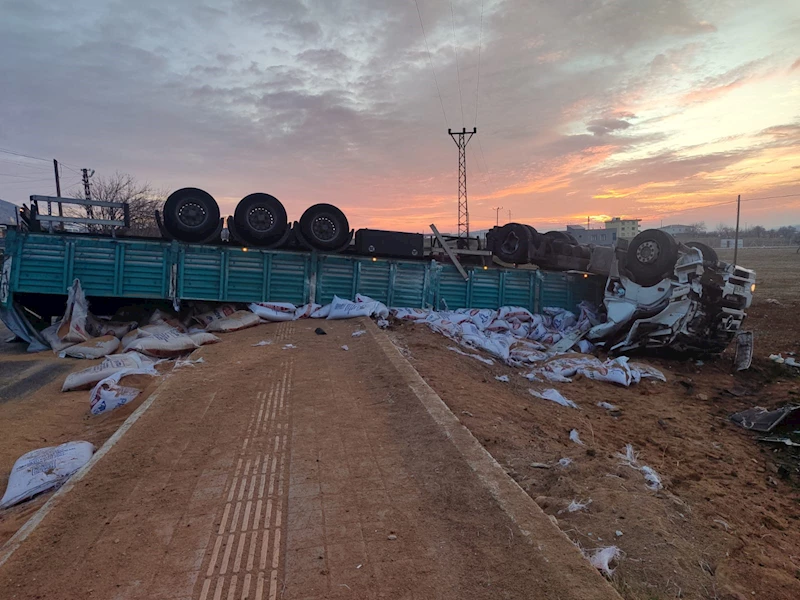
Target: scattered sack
159 317
50 336
44 469
322 312
573 435
347 309
241 319
162 344
93 348
215 314
305 311
202 338
76 322
112 364
108 395
277 311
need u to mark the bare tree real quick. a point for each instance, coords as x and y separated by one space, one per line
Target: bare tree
699 228
142 200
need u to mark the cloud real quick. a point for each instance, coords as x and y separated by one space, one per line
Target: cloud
313 100
603 126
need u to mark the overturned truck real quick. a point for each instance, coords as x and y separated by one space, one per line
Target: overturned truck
659 292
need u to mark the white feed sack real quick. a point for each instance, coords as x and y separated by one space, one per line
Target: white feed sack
162 344
86 378
44 469
108 395
241 319
215 314
94 348
279 311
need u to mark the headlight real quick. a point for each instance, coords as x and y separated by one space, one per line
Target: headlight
752 287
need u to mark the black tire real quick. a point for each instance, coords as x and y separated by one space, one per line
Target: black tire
511 243
324 227
560 236
651 256
191 214
535 237
709 254
260 218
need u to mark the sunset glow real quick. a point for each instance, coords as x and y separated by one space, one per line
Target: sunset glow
662 111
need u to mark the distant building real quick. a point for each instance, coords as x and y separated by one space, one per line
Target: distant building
730 243
677 229
598 237
625 229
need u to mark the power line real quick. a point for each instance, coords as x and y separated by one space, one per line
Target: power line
458 70
430 60
23 155
770 197
478 84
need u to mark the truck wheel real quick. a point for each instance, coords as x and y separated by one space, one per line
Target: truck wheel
324 227
260 218
190 214
709 254
651 256
511 243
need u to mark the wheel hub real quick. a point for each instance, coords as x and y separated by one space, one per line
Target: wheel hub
192 214
647 253
324 228
261 219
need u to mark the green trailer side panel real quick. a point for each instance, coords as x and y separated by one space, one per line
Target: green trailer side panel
47 264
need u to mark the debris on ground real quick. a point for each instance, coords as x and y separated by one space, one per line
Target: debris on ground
630 459
780 440
345 347
601 559
487 361
359 333
288 347
575 437
320 331
576 506
44 469
761 419
262 343
554 396
503 378
608 406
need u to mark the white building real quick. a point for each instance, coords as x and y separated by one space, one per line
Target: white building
676 229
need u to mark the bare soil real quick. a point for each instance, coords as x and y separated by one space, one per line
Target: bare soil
726 523
34 413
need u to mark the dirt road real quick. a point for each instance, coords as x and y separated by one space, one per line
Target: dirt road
305 472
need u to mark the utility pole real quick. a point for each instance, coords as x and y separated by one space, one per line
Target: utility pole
462 138
497 215
736 238
58 179
87 192
587 222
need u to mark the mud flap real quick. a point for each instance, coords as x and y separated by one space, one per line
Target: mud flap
744 350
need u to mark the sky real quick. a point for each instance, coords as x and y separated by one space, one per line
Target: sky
660 110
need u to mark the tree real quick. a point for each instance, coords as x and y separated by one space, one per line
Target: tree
142 200
699 228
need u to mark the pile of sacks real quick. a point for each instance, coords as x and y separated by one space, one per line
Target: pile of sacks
511 333
520 338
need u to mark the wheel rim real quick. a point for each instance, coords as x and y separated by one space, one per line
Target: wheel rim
324 228
192 214
647 252
510 244
261 219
